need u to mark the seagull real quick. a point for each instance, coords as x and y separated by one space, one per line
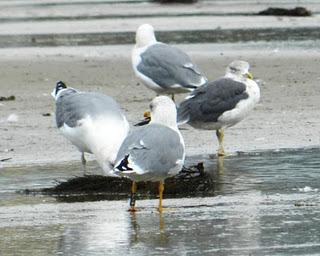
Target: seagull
153 152
93 122
221 103
161 67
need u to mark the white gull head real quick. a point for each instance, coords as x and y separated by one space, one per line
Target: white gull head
238 70
163 111
145 36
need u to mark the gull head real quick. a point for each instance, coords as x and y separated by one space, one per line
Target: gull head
163 111
239 69
145 35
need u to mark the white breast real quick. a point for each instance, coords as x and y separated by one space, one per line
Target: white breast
241 110
101 136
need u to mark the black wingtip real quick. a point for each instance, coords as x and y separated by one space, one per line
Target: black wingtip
123 166
60 85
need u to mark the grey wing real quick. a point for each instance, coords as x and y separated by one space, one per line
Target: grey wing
72 107
167 65
153 148
208 102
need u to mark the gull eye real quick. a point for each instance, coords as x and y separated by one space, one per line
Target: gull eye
61 85
233 69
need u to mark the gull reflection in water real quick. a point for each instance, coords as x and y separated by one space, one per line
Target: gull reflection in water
148 231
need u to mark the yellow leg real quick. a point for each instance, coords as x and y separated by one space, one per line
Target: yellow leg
133 197
220 135
161 188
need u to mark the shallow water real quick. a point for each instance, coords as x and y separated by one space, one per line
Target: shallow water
266 203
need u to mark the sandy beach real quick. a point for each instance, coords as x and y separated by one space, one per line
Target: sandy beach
285 61
286 117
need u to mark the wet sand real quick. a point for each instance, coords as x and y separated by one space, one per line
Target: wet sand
287 116
264 204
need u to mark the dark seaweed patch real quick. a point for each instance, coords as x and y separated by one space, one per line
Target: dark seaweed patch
298 12
10 98
191 181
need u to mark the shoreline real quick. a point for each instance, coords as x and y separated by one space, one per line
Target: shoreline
94 168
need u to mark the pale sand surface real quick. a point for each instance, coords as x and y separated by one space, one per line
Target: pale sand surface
287 116
162 24
71 17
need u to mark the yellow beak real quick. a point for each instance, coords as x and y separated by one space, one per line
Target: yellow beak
147 114
249 75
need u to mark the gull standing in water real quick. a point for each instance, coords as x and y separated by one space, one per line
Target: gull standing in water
221 103
93 122
153 152
161 67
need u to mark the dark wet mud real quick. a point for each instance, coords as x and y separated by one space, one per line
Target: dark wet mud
179 37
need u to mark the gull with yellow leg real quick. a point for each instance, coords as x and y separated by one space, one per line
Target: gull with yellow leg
152 152
221 103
